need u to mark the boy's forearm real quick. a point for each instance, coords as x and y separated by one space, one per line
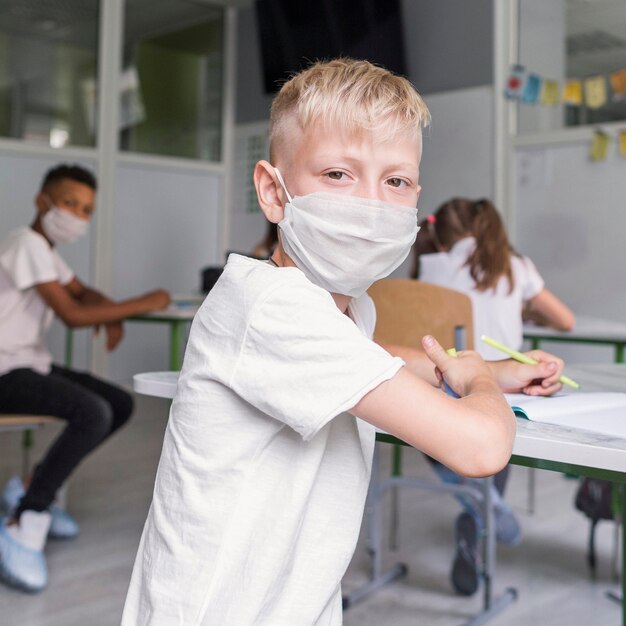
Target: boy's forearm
416 361
92 296
104 313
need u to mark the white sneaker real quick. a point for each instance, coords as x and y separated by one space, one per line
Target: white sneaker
22 562
63 525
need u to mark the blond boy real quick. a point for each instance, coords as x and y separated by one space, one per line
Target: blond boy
262 480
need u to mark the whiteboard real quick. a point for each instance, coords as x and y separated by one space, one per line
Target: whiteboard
571 221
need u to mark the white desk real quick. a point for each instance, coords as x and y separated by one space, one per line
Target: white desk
538 445
591 330
159 384
533 440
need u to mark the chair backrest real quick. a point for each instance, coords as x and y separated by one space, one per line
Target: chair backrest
406 310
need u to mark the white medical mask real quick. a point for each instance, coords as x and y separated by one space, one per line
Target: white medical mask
62 226
344 243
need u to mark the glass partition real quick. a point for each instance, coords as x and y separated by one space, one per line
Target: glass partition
48 63
171 82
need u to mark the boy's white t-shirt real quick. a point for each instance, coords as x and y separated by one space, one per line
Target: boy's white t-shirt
497 313
26 260
262 480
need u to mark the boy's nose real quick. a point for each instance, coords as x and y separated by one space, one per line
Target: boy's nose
371 191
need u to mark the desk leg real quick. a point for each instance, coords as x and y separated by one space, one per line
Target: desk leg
396 471
620 352
176 341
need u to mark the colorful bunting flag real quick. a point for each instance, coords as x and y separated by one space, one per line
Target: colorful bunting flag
573 92
515 83
618 84
550 92
595 92
531 88
599 146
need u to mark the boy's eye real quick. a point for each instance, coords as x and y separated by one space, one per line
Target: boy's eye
396 182
335 175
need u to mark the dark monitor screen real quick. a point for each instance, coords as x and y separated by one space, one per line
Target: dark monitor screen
293 33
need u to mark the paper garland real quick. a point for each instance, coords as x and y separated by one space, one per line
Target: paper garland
593 91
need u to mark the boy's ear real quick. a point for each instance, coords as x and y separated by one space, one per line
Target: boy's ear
269 192
42 204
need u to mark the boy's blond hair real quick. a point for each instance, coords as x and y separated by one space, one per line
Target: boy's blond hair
354 95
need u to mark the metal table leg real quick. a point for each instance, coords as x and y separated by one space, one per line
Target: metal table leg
373 514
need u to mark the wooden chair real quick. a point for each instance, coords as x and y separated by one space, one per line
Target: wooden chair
406 310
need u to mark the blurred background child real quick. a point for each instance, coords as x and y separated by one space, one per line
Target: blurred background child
464 246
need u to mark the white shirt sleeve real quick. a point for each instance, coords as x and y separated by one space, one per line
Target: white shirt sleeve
303 362
31 261
531 280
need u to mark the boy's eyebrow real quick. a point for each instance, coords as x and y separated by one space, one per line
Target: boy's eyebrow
353 159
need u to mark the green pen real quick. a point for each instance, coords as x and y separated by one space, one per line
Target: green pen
522 358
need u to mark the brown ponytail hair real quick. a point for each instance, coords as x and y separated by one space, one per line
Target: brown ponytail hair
459 218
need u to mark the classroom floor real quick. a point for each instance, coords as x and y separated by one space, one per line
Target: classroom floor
110 494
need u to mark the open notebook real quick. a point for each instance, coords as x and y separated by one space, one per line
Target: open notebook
603 412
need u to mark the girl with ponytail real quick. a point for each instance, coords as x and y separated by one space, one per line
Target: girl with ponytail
464 246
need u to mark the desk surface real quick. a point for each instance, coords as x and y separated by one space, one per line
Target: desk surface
183 308
586 329
533 439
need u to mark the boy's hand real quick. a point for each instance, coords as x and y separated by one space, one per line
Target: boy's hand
157 299
115 334
534 380
461 371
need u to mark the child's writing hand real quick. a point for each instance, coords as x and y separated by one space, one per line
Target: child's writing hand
535 380
459 372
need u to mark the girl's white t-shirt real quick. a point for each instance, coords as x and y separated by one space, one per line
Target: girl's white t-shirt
497 313
27 260
263 475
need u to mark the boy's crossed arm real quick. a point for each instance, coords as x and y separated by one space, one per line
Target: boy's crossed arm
79 305
472 435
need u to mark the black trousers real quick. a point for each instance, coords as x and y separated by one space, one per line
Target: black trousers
92 408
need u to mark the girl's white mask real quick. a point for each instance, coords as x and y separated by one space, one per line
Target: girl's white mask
344 243
62 226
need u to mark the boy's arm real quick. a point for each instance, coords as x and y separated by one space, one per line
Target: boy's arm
74 312
472 435
88 295
512 377
85 294
416 361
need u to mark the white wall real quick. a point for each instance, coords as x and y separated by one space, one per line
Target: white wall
166 229
247 223
571 220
